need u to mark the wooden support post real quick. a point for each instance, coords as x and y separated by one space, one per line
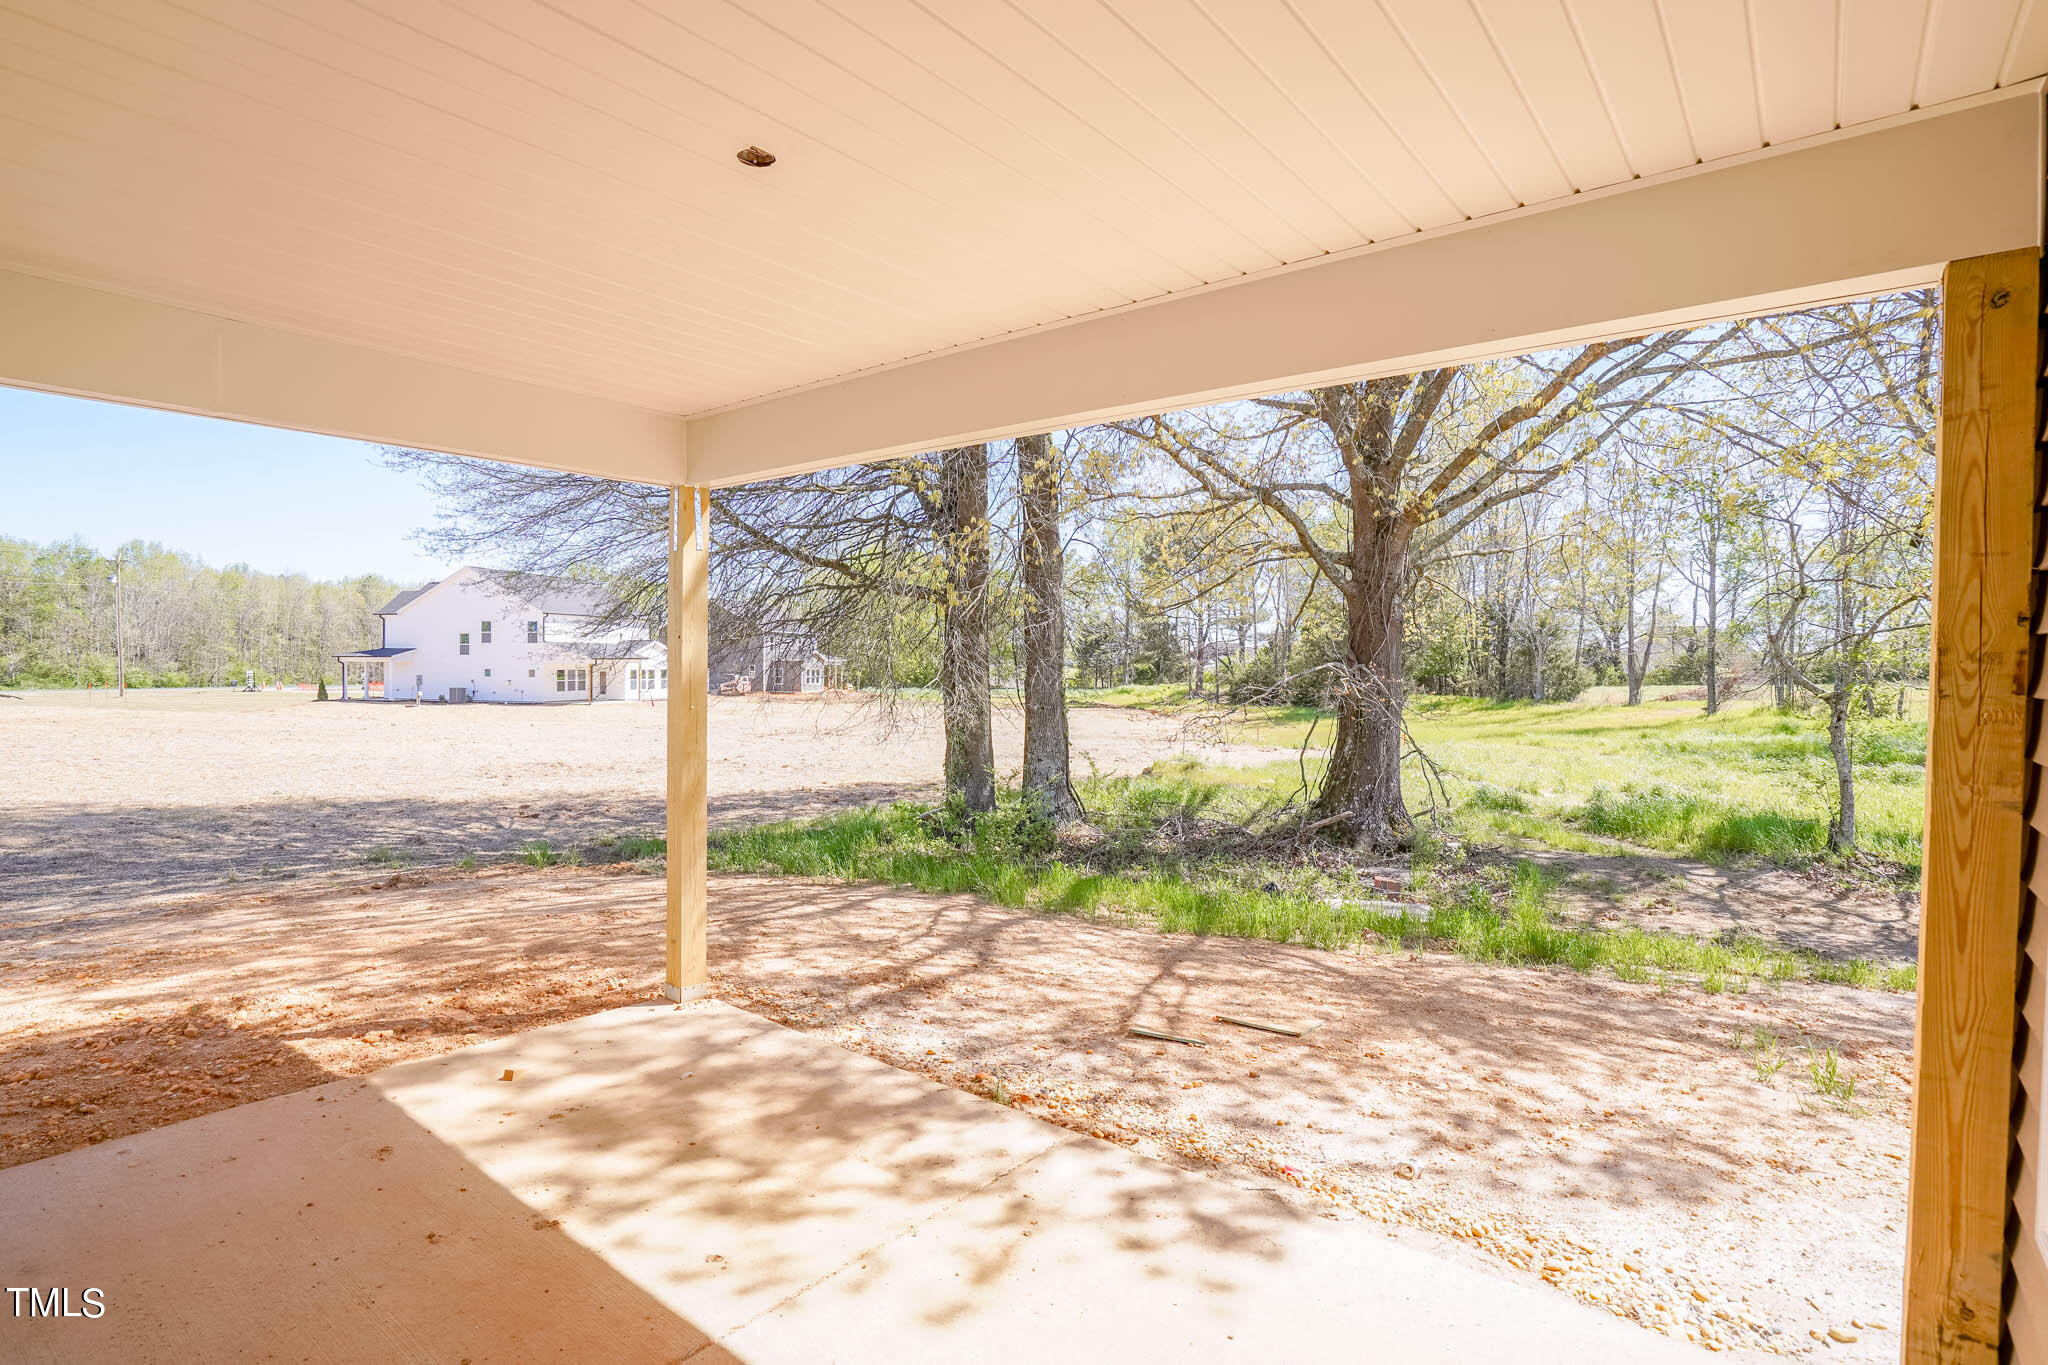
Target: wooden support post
1976 779
688 664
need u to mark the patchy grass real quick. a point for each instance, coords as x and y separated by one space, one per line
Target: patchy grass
1824 1073
1143 696
1594 776
541 853
1830 1082
1749 783
1764 1053
642 850
385 856
1172 851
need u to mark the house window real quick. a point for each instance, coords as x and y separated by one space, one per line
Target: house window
561 680
484 632
533 632
487 673
529 672
664 677
462 643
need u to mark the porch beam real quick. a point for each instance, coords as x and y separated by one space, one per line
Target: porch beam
92 343
1976 784
688 776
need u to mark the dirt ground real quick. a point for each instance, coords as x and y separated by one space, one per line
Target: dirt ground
190 919
1817 908
1612 1140
185 791
171 792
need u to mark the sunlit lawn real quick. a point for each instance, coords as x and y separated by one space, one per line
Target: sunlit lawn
1599 776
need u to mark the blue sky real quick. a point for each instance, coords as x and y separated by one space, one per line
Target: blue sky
230 493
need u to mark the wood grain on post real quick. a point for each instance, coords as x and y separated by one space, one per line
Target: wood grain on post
1976 785
688 684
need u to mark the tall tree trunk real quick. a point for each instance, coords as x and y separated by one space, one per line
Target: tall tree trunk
1639 667
1124 674
1842 829
1363 780
1048 781
964 654
1628 660
1282 624
1713 620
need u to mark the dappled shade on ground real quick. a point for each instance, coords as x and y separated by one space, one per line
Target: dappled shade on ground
188 791
1574 1126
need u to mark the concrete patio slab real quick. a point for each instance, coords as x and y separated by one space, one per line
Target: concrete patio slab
660 1183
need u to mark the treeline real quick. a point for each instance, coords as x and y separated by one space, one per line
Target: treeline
182 623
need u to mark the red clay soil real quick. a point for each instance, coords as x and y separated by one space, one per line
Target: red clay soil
1612 1139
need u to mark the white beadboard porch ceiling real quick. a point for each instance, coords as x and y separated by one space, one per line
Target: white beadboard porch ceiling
548 192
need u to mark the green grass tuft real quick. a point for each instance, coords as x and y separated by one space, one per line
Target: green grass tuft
540 853
1498 915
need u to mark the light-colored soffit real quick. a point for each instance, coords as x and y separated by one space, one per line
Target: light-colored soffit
548 193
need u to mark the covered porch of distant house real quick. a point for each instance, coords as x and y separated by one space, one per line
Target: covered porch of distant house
378 666
630 670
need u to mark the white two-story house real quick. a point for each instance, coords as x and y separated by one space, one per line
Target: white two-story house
483 636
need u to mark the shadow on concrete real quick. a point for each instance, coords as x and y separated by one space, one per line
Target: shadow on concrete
657 1184
325 1226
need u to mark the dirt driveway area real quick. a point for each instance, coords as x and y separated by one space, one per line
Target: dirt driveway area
171 792
1617 1142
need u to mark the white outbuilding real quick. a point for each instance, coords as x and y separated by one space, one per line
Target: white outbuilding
487 635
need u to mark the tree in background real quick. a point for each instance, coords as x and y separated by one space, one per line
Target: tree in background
185 623
551 525
1369 480
1636 541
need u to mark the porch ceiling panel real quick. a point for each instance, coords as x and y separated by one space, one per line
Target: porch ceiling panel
1828 217
548 194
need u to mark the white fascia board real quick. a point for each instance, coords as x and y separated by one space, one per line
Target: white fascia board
70 338
1878 207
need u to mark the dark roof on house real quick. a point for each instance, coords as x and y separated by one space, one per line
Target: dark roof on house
547 595
400 602
386 652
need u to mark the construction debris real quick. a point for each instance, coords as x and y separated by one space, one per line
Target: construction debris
1137 1032
1284 1030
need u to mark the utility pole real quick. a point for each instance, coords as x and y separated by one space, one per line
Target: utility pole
120 635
